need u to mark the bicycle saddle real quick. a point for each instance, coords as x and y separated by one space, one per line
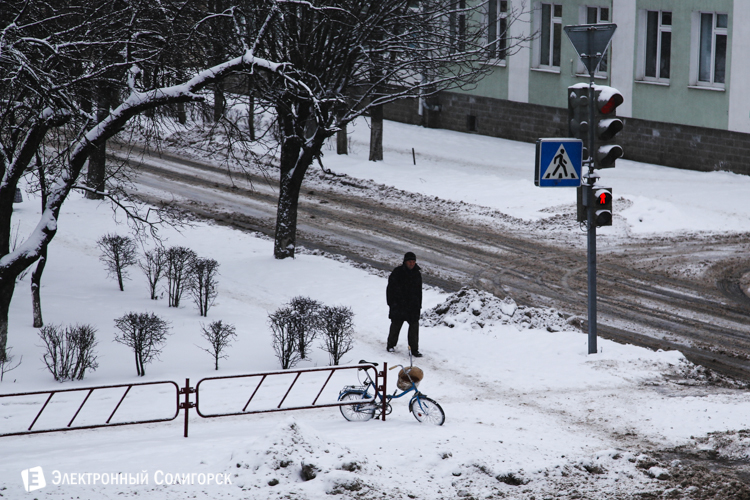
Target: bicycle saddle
365 362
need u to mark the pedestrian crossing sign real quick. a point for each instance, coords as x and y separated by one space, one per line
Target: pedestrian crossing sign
558 162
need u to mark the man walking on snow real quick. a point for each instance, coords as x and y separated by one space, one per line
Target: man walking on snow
404 296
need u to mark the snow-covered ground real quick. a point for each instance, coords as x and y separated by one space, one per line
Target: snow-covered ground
529 413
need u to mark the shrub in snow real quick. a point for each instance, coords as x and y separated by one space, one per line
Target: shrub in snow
145 333
305 322
284 341
69 351
338 331
219 337
6 364
118 253
154 266
203 284
179 266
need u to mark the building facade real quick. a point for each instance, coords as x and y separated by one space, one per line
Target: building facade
682 67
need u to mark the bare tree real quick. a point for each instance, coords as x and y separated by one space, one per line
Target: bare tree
118 253
338 332
154 266
220 337
36 276
145 333
284 340
348 58
179 268
47 70
203 284
305 322
69 351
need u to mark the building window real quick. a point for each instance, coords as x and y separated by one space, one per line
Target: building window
497 29
712 59
599 15
458 26
658 45
550 35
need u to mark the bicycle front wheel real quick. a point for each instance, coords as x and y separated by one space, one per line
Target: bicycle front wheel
426 410
356 412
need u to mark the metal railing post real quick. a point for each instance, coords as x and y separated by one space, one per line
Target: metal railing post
186 405
382 388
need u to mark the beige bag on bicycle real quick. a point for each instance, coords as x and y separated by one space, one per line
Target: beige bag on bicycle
413 372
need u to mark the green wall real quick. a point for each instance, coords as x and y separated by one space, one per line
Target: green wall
677 103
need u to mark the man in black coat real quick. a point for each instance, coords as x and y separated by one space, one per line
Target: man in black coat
404 295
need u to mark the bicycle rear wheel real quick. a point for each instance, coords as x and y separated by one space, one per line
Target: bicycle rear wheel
356 412
427 411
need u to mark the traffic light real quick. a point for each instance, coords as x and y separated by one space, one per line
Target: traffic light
578 114
602 206
602 200
606 126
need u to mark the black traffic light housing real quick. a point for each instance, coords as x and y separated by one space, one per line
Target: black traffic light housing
606 126
578 115
602 200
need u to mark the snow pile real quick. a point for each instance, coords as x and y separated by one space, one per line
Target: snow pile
291 457
729 445
481 309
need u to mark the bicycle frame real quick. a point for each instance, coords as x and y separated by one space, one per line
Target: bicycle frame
364 389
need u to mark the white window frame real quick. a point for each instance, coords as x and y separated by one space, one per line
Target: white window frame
498 56
457 26
537 43
643 46
584 19
695 51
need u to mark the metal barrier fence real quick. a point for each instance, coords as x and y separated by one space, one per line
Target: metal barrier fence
89 391
303 380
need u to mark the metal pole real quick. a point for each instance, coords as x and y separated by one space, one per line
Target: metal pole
384 388
591 215
187 404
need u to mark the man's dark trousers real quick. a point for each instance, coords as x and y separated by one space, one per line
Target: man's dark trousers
396 325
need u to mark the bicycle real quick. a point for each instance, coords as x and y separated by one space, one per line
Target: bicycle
423 408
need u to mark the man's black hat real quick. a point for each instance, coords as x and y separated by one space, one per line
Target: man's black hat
409 256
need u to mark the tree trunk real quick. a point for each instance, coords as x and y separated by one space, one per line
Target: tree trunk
286 215
342 148
219 101
6 294
376 133
294 162
98 159
36 278
181 114
251 110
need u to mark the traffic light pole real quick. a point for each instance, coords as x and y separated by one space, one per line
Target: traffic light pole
591 216
590 42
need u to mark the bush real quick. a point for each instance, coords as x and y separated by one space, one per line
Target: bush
338 331
118 253
285 343
179 266
154 266
69 351
145 333
203 283
6 364
304 322
219 336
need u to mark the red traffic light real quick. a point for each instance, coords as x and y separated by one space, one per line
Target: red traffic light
612 103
